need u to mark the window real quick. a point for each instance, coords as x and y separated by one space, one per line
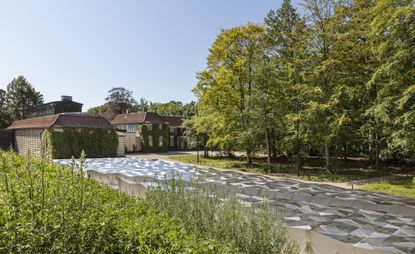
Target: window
160 140
171 129
131 128
171 141
150 141
149 127
160 126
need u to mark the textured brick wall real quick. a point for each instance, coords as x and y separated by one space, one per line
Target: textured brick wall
28 141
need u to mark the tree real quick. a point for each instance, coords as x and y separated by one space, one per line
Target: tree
286 39
5 119
321 29
20 96
225 89
119 100
393 81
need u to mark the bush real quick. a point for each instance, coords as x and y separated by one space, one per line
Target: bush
249 229
96 143
46 208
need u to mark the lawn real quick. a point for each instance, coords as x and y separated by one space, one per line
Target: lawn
313 169
403 187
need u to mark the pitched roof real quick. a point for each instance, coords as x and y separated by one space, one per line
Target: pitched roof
62 120
139 117
173 121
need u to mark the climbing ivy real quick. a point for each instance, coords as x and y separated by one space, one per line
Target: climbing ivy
156 131
96 143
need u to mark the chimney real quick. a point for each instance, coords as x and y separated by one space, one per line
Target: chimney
66 98
145 109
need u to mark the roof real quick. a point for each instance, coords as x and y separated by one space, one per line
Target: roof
54 103
173 121
62 120
143 117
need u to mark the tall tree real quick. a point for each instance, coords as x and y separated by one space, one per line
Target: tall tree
286 37
120 99
320 17
393 32
225 88
20 96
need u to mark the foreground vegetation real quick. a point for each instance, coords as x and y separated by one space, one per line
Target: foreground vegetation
47 208
401 187
313 169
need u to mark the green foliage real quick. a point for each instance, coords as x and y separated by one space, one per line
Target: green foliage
157 131
335 81
173 108
95 143
20 95
248 229
47 208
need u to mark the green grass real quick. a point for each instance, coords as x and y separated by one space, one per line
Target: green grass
313 169
402 187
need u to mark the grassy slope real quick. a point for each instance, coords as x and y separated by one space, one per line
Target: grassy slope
312 169
404 187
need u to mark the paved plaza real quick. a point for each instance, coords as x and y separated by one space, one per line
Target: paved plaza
363 219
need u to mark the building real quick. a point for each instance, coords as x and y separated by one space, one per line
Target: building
65 135
55 107
150 132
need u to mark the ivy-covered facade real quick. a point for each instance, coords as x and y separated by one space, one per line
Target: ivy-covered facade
150 132
65 135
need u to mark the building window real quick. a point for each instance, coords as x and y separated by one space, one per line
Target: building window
160 126
171 129
149 127
160 140
131 128
171 141
150 141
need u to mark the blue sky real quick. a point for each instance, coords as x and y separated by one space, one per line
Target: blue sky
84 48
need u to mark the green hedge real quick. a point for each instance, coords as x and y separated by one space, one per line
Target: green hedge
96 143
47 208
156 132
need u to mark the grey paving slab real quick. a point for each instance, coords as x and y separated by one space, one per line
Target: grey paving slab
363 219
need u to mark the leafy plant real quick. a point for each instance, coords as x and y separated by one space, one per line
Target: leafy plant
47 208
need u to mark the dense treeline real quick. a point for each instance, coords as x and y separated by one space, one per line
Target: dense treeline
121 100
336 80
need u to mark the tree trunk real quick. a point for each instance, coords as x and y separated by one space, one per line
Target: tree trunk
327 156
273 145
376 152
268 147
297 149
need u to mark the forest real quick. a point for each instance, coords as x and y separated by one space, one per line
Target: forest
333 79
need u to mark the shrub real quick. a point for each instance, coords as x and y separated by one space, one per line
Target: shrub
46 208
249 229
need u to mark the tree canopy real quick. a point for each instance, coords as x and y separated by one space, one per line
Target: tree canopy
336 80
